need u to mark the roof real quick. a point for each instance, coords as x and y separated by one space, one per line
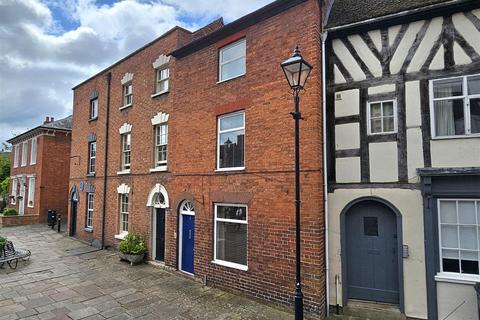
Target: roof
64 124
345 12
233 27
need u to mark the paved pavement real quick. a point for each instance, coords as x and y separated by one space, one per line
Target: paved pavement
66 279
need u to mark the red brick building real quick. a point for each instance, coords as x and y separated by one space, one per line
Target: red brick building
39 170
189 142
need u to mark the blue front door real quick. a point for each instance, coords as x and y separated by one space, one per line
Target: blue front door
188 241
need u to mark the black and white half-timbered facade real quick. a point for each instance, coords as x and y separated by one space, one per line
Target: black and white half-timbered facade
403 135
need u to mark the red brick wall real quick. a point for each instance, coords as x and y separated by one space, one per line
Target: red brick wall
266 185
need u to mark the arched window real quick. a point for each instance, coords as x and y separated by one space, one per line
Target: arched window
159 200
187 208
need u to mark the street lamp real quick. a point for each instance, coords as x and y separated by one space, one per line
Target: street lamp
296 71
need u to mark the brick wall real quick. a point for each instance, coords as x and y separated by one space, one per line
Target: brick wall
267 183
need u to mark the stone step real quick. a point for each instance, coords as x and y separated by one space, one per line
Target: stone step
373 310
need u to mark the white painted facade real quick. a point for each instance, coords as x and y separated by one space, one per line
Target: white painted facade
385 165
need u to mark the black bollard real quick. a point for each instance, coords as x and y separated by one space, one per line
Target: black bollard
59 222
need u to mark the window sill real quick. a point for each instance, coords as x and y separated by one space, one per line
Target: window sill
159 169
30 206
232 78
382 133
93 119
89 175
125 106
90 230
121 236
231 265
123 172
457 278
161 93
471 136
226 170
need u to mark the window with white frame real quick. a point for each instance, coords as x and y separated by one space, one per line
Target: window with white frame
16 151
94 108
161 83
31 192
161 142
459 228
33 151
24 153
232 60
127 94
13 199
126 150
124 213
92 156
455 106
89 221
231 235
231 141
382 117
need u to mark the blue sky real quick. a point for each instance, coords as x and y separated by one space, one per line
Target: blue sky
49 46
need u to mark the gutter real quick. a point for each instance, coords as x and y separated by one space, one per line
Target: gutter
105 162
324 36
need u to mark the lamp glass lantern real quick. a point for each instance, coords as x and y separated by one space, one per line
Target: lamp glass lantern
296 70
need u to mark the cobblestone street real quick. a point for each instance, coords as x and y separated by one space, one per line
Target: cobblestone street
66 279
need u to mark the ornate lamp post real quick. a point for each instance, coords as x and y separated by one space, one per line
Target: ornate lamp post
296 71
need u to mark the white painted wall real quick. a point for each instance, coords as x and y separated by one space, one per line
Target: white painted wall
404 47
348 61
347 103
382 89
347 136
383 159
455 153
414 153
410 205
412 104
453 295
348 170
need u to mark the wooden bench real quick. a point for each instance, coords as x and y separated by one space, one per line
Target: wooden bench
10 255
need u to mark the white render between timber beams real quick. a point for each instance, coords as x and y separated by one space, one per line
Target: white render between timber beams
410 205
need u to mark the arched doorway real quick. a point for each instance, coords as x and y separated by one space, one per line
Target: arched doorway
158 200
73 210
186 231
371 252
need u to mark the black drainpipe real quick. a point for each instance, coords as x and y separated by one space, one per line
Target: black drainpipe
105 163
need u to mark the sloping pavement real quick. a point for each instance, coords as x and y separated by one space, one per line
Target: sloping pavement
66 279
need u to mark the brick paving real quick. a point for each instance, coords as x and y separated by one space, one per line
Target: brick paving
66 279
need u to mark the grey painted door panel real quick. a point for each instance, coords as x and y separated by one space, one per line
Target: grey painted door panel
372 255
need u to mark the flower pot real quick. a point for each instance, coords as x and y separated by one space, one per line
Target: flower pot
132 258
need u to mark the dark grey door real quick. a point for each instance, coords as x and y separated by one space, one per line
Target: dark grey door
73 221
160 235
372 255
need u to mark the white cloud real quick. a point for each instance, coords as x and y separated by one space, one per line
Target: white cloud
40 62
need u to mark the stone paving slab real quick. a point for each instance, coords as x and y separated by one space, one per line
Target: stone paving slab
66 279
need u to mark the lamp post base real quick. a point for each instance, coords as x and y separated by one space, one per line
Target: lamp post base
298 303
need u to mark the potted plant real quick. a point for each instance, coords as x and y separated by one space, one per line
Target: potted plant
132 248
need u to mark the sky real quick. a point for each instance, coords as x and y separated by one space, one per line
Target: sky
49 46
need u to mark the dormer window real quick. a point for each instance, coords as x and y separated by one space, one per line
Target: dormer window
162 75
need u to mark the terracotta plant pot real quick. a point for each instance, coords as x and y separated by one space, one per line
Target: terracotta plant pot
132 258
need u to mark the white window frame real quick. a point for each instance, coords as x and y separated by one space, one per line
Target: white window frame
31 192
453 276
219 132
33 151
14 189
221 63
466 107
369 116
94 108
16 155
222 262
24 153
92 158
125 167
159 79
121 228
90 207
160 163
127 95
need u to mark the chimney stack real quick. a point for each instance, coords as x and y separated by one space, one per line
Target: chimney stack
48 120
